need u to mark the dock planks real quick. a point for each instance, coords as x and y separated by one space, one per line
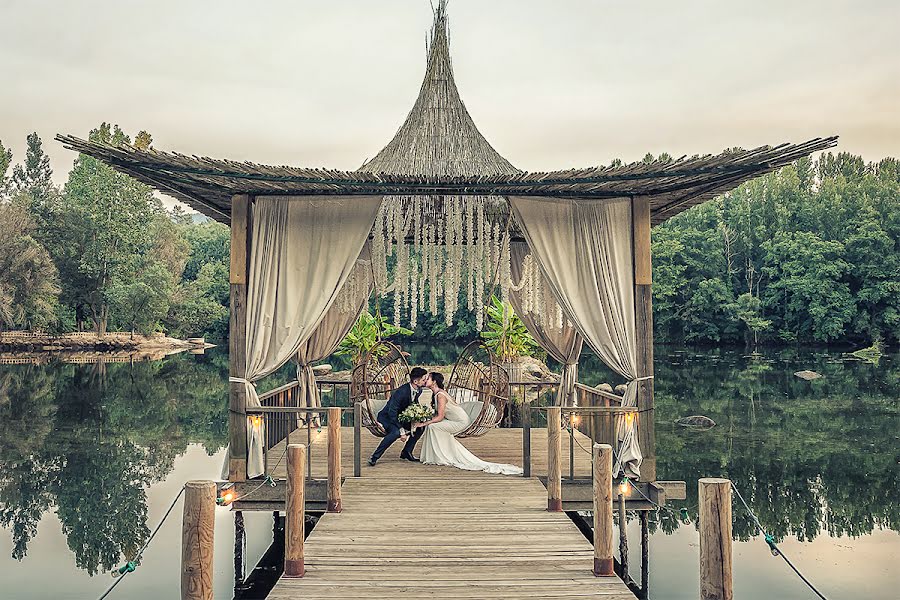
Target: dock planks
438 532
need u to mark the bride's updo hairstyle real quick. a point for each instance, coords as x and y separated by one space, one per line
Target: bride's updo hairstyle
438 378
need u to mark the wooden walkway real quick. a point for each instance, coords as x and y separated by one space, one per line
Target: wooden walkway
416 531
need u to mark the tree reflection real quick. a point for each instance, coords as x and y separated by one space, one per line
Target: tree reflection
807 456
90 439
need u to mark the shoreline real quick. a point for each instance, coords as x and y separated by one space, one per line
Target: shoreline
89 341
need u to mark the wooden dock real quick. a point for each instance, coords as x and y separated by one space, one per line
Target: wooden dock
437 532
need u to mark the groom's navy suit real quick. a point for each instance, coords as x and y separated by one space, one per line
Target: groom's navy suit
401 398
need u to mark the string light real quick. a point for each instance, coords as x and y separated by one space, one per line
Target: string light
226 495
629 418
256 420
623 487
128 567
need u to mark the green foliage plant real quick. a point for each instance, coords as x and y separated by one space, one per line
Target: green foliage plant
506 334
365 334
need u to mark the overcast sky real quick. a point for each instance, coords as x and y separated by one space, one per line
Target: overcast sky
550 84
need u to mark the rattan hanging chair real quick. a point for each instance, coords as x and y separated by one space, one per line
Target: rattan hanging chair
481 386
382 370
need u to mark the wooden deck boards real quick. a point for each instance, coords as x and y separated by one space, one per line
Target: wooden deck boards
498 445
436 532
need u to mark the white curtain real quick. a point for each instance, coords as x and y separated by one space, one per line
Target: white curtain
584 248
302 251
563 343
353 298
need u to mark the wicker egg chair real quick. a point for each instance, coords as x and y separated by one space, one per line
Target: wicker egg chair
481 386
382 370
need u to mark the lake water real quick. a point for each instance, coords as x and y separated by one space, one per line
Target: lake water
91 456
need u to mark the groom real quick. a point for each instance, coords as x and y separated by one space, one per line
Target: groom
402 397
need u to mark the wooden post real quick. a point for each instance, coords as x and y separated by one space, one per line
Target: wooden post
334 459
526 438
357 438
715 539
603 511
237 336
643 315
554 469
240 537
623 540
295 511
197 528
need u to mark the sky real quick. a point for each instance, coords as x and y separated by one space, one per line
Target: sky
552 85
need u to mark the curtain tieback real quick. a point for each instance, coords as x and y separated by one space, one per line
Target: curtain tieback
644 378
239 380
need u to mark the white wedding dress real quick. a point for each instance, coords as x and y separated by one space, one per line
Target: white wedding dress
439 447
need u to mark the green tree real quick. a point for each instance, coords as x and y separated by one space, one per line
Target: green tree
109 222
32 181
29 286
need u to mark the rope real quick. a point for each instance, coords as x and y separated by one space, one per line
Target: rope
770 540
131 565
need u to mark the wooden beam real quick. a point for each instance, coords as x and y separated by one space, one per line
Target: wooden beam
643 315
237 347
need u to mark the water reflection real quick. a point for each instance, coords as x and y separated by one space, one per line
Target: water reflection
811 457
89 439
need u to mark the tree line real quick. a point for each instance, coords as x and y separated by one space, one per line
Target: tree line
103 253
806 254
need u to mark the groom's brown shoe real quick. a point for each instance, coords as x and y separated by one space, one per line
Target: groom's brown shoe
409 457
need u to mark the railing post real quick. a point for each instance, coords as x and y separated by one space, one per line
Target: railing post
295 511
334 459
572 419
197 527
603 511
526 437
715 539
357 439
554 469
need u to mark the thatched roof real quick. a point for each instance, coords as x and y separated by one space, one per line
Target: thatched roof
439 137
439 151
208 184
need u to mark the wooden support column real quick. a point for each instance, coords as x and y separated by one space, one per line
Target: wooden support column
643 314
554 468
715 539
334 460
197 527
603 511
237 336
295 511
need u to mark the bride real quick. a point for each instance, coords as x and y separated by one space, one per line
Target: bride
439 446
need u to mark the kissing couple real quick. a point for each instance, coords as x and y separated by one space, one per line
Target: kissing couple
439 446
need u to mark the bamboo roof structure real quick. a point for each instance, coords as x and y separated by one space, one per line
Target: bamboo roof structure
438 150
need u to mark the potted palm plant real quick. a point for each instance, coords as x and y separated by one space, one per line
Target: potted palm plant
507 337
365 334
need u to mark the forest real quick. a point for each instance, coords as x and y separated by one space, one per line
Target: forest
807 254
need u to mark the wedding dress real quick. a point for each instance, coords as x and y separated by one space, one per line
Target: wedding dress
439 447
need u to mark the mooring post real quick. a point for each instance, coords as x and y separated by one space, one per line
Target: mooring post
357 438
603 511
715 539
623 540
197 528
554 469
295 511
334 459
526 438
239 539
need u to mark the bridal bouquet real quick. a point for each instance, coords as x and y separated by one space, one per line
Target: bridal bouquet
416 413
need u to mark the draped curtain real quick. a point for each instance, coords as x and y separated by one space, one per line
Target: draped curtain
302 251
333 328
585 250
564 344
